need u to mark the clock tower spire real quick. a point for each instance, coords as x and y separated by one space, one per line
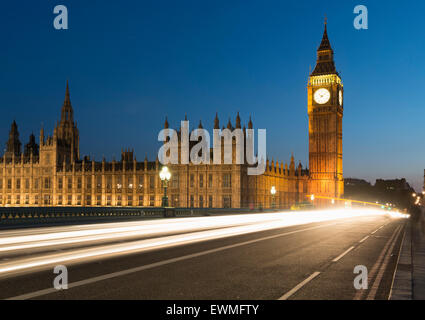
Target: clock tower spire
325 112
325 56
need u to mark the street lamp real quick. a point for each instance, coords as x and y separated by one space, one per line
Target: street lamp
165 176
312 199
273 192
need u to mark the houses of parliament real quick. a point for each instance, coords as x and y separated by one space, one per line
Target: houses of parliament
52 173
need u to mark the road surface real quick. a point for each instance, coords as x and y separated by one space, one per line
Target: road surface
247 257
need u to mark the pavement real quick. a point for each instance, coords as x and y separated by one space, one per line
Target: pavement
305 261
409 279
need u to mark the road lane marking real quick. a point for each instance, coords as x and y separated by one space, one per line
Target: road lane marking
375 267
378 229
287 295
343 254
364 239
161 263
396 265
382 269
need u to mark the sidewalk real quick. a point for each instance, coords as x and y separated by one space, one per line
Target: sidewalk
402 285
409 280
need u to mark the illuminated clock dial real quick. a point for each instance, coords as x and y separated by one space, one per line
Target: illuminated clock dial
340 97
322 96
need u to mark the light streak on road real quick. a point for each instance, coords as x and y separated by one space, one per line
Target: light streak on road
30 250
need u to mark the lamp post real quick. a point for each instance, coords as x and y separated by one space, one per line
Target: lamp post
165 176
273 193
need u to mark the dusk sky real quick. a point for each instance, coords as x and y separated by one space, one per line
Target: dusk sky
130 64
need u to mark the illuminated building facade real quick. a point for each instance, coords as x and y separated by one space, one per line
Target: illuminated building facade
52 173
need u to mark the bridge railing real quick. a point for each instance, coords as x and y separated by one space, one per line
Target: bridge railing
51 215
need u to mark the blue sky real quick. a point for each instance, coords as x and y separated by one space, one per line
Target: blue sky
131 63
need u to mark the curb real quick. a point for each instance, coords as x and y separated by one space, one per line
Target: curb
402 288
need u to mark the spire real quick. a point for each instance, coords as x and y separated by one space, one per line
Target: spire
216 122
250 123
66 131
166 123
31 148
67 96
67 114
292 165
299 169
325 44
229 125
41 134
200 125
238 121
325 56
13 145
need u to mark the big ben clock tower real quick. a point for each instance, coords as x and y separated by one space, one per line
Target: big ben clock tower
325 111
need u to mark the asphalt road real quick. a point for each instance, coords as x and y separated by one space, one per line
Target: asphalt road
308 261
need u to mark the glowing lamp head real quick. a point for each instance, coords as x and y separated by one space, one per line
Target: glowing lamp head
273 190
312 197
165 174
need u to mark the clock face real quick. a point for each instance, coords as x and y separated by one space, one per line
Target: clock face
322 96
340 97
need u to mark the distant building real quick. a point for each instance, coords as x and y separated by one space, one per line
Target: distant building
394 184
355 182
395 191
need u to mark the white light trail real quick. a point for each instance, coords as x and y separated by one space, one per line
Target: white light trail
160 233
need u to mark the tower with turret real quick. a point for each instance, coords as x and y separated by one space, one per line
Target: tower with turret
13 145
63 146
325 112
